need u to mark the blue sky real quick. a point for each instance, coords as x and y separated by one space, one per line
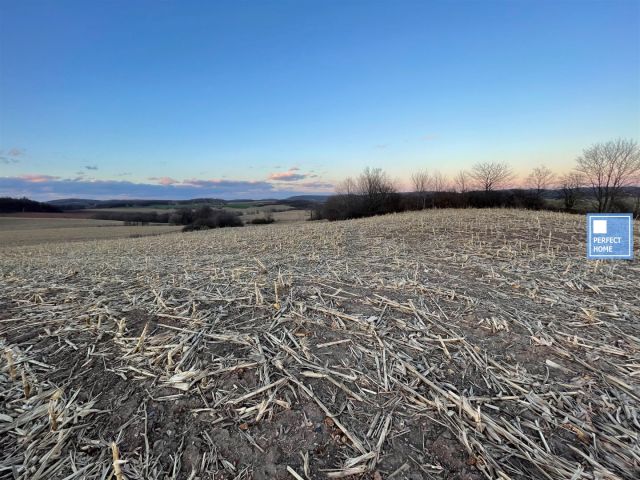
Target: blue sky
267 98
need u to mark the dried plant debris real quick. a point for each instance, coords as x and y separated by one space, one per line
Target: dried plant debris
441 344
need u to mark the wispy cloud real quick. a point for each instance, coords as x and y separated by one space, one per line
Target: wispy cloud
288 176
37 178
225 184
164 180
307 187
16 152
317 186
45 187
11 156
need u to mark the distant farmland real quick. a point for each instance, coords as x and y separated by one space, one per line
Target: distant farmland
33 230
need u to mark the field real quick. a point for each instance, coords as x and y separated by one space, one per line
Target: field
242 208
16 231
438 344
280 213
280 216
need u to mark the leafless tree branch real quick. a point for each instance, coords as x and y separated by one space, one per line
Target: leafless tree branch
608 168
491 175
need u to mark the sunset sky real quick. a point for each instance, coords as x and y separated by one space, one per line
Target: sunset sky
237 99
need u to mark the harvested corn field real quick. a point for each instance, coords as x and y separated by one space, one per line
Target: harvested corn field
16 231
441 344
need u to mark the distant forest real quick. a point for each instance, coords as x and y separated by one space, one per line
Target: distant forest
16 205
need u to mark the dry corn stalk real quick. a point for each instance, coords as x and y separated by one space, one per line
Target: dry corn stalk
10 363
276 305
121 326
115 453
26 387
140 345
52 410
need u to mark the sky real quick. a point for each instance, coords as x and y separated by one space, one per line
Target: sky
266 99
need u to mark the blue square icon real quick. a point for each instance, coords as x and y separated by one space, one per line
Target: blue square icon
610 235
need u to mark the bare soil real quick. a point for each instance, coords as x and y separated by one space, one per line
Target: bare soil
444 344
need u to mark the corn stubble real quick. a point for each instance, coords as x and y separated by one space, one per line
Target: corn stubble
487 328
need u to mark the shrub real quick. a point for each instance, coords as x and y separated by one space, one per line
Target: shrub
182 216
262 221
371 193
343 207
527 199
207 218
133 218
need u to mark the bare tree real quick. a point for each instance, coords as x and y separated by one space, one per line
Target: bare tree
439 182
376 189
462 181
539 179
609 168
346 202
346 187
570 185
491 175
421 183
371 193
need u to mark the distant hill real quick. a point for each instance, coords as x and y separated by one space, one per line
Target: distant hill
72 203
82 203
309 198
17 205
298 201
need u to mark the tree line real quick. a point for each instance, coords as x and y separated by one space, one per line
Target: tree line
601 179
201 218
19 205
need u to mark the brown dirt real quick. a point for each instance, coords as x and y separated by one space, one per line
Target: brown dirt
540 342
